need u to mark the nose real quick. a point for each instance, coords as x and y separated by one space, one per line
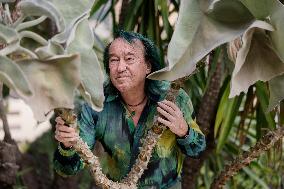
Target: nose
121 66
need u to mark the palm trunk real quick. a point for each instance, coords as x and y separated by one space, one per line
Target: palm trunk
205 119
243 160
123 12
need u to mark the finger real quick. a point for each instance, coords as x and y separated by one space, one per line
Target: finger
167 108
165 114
165 122
171 104
66 135
59 120
64 139
64 128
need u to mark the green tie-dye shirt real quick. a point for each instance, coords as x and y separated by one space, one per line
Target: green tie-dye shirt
115 129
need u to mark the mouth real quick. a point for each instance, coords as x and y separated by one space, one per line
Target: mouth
121 77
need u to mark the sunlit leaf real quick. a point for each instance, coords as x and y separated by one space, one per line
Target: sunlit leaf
53 81
91 71
12 75
197 33
256 60
276 88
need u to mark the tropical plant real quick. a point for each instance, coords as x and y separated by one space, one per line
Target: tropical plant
193 47
46 70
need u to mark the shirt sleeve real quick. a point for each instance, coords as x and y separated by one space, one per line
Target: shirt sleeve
66 161
194 142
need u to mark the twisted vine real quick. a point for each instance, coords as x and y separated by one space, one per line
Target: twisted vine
266 142
148 144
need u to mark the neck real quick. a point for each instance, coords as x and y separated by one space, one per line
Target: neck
133 97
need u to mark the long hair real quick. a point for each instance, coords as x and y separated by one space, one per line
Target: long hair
154 88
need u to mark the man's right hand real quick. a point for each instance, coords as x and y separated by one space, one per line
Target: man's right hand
64 134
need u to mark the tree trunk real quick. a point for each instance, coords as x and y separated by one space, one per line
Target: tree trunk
205 119
9 152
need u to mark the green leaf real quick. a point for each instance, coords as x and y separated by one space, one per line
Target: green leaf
134 6
256 178
7 34
165 16
92 76
12 75
256 59
276 88
231 111
259 8
221 110
262 96
42 8
54 82
97 5
197 33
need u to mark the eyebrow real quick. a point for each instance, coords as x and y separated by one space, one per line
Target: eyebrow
111 54
130 53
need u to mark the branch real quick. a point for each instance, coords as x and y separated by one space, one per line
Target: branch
266 142
3 116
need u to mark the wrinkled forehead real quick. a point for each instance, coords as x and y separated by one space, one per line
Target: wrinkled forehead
121 45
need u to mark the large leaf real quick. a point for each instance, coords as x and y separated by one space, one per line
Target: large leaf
259 8
256 60
73 12
12 75
273 9
198 32
7 34
72 9
91 72
40 8
52 49
68 35
277 21
54 82
276 88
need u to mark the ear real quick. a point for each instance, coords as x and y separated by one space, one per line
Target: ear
149 67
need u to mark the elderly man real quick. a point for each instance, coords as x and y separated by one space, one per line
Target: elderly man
131 103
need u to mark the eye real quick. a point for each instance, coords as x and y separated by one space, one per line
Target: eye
129 58
113 60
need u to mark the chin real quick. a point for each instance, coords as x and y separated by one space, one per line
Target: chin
122 88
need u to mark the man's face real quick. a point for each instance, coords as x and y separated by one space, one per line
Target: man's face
127 65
